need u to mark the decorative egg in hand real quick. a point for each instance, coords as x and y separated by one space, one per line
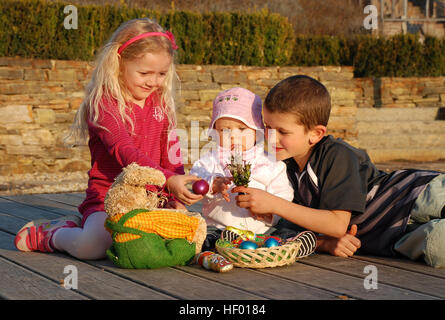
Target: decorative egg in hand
271 242
200 187
248 245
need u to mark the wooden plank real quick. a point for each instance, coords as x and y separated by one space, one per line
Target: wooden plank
408 280
161 280
11 224
80 195
312 279
24 211
405 264
62 198
337 281
269 287
44 204
179 284
20 283
92 282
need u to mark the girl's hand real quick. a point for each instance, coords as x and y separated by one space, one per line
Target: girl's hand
345 246
176 185
175 205
221 185
259 202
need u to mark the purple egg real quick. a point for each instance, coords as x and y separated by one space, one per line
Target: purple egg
271 242
200 187
248 245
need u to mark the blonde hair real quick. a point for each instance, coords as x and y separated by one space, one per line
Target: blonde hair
106 81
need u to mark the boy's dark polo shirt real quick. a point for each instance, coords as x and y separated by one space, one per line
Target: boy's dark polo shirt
341 177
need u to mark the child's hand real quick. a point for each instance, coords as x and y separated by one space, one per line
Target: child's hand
267 218
221 185
345 246
176 185
175 205
259 202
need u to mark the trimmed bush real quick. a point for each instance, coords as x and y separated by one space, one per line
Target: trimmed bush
397 56
34 29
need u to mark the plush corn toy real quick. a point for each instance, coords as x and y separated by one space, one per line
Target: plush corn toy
145 236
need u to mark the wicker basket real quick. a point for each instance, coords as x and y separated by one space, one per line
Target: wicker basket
261 257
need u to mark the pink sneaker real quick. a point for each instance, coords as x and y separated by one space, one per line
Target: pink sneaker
36 235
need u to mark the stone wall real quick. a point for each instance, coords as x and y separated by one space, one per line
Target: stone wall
393 118
401 118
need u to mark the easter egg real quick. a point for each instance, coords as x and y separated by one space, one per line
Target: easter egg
248 245
229 235
271 242
200 187
225 244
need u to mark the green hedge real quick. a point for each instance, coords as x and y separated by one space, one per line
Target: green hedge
34 28
397 56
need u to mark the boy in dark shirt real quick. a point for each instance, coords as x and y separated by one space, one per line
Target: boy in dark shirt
338 192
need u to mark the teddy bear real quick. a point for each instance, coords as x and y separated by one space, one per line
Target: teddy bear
143 234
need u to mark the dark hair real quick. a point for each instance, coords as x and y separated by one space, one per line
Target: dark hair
303 96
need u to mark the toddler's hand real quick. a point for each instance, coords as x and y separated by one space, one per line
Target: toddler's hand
176 185
221 185
267 218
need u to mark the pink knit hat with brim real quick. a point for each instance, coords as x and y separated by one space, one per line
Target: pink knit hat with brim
240 104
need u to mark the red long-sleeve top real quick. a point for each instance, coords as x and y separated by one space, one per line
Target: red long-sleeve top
115 148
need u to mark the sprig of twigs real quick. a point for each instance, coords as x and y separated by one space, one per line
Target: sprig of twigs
239 169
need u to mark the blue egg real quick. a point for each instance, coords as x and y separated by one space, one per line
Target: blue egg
248 245
271 242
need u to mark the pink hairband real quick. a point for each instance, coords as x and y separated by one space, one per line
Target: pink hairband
166 34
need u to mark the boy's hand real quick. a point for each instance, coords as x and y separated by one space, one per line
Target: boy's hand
176 185
345 246
259 202
221 185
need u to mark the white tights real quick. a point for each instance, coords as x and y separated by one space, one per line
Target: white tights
87 243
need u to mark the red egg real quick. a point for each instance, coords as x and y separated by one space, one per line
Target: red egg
200 187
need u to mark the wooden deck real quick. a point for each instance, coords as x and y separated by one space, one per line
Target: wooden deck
320 277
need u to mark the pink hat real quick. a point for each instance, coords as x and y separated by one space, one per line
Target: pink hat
240 104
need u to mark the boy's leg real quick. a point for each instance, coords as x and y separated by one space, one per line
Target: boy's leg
428 236
430 204
426 241
88 243
289 231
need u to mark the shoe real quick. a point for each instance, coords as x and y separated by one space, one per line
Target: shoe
36 235
308 243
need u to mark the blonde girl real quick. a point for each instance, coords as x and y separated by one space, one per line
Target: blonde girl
128 114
